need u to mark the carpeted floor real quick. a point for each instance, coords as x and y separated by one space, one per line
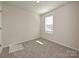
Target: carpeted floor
40 48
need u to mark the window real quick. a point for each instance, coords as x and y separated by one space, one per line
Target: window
49 24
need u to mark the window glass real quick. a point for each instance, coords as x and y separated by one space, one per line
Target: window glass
49 24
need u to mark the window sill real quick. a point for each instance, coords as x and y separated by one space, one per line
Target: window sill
49 32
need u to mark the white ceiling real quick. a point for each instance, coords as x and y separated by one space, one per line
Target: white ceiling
40 8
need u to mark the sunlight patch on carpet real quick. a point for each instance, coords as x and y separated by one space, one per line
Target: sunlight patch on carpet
14 48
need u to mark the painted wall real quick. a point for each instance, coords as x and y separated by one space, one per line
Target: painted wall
19 25
0 23
0 26
66 25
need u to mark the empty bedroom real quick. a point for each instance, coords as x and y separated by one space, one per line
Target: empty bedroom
39 29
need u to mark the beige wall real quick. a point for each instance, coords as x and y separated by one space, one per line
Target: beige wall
19 25
0 23
66 25
0 26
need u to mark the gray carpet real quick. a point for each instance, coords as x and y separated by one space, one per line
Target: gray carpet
48 49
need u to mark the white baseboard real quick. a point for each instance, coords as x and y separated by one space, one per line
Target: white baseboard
62 44
19 42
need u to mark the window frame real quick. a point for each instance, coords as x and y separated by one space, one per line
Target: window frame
49 32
